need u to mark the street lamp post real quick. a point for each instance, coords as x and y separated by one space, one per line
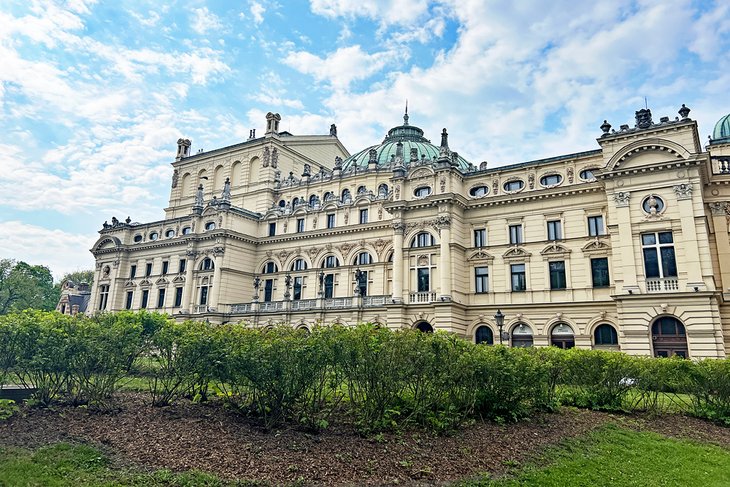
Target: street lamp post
499 318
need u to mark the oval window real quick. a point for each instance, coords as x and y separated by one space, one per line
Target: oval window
514 185
479 191
170 233
587 175
653 204
422 192
154 236
138 238
210 226
551 180
187 231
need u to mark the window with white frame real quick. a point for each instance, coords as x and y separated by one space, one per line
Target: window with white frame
481 280
659 258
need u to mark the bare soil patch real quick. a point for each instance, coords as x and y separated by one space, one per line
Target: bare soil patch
211 438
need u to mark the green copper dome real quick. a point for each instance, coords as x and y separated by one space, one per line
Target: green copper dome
415 148
721 134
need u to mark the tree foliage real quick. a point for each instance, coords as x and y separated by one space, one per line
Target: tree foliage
78 277
25 286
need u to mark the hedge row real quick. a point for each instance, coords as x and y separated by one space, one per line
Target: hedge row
377 378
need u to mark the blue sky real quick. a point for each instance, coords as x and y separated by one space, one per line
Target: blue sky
95 94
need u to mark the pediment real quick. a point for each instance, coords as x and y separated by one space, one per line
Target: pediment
161 281
596 247
647 152
555 249
421 173
178 279
210 210
516 253
129 283
145 282
480 255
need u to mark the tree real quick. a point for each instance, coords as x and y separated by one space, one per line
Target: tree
24 286
78 277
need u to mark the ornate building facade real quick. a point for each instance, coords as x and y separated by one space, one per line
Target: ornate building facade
623 247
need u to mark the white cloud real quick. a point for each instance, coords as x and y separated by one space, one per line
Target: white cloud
60 251
343 66
383 11
203 21
257 11
150 21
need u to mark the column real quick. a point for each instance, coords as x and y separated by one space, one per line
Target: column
189 290
444 225
399 229
215 290
720 214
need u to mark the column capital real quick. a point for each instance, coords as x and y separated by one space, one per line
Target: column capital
399 227
621 198
683 191
720 208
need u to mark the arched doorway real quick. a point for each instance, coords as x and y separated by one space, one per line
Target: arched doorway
522 336
669 337
484 334
562 336
424 326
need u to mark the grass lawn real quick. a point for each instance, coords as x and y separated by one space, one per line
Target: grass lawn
612 456
74 465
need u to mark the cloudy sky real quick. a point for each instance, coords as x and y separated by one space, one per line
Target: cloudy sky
94 94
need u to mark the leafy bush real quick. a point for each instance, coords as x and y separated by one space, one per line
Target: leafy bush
599 379
710 389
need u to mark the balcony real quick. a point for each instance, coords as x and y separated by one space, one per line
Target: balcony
662 285
422 298
374 301
303 304
336 303
241 308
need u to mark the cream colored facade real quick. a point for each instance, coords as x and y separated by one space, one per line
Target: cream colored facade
274 229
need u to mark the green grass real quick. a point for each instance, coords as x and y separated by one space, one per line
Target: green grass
74 465
612 456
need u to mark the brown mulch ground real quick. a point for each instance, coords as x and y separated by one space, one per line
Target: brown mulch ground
210 438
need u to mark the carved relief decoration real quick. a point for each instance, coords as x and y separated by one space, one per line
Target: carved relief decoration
622 198
422 260
570 174
266 157
481 255
596 247
683 191
531 181
175 176
443 185
516 253
495 187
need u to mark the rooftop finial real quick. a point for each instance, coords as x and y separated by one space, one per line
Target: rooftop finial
405 116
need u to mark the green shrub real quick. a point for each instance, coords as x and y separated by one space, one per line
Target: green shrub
599 379
710 389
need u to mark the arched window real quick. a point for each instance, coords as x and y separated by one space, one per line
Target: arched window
383 190
154 236
294 202
605 335
328 196
562 336
186 230
207 264
669 337
299 265
210 226
522 336
587 175
313 200
346 197
282 204
330 261
170 233
424 326
269 268
361 190
422 192
363 258
483 334
423 239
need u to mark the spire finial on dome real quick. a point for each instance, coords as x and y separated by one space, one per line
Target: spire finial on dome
405 116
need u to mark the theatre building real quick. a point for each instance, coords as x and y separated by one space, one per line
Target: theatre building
624 247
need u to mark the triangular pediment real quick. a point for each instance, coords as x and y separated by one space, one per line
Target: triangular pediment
516 253
161 281
480 255
555 248
129 283
179 279
596 247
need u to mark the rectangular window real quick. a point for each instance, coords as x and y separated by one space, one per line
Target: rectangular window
599 271
103 296
424 284
181 267
329 286
130 300
331 220
178 297
557 275
298 282
362 283
481 279
363 216
145 298
272 229
659 258
268 290
161 298
595 226
148 269
519 282
554 230
204 295
515 234
300 225
132 271
480 237
165 267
